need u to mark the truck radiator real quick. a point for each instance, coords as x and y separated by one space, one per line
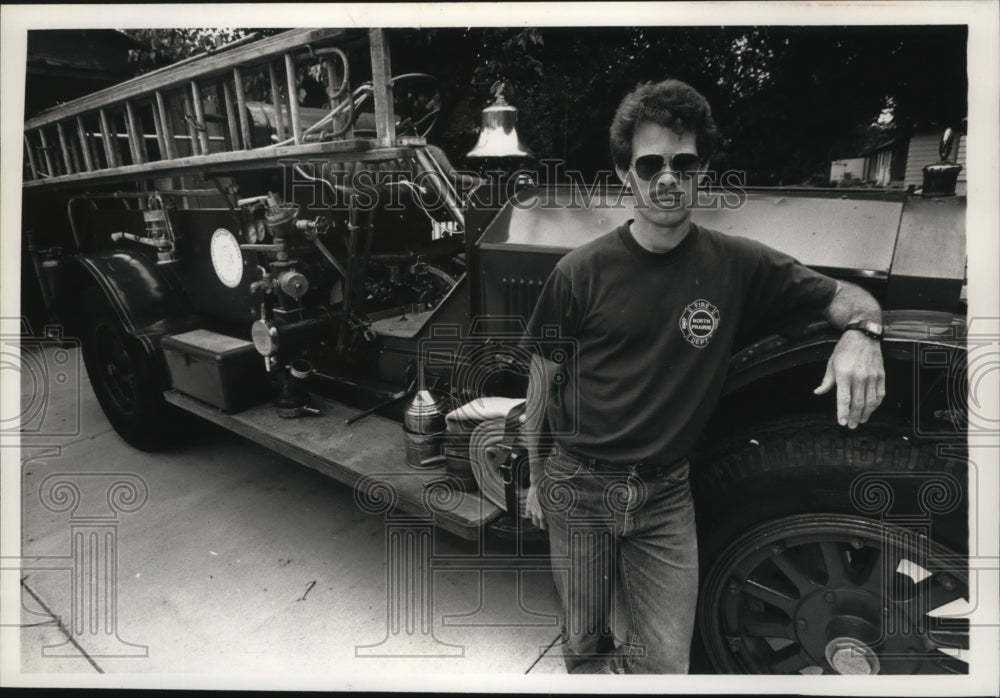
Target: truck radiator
520 295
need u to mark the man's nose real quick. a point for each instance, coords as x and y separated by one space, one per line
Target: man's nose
667 180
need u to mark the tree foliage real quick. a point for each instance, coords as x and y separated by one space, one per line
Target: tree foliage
788 99
166 46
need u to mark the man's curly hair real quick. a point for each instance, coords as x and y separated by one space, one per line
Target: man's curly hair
672 104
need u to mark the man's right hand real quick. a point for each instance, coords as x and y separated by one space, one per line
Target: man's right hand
533 508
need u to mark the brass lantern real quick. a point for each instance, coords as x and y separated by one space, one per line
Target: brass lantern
498 136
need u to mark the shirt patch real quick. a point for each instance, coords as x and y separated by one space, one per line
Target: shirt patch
698 322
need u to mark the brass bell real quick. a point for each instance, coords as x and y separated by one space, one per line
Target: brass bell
498 136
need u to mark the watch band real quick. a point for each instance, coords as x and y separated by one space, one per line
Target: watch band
865 327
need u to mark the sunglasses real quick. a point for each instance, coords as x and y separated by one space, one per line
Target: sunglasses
684 165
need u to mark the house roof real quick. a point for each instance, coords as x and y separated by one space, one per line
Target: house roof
880 146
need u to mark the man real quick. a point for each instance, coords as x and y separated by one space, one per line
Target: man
652 309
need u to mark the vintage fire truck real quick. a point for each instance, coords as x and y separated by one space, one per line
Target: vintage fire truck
320 280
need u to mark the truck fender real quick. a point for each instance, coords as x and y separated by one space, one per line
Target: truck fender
144 299
907 332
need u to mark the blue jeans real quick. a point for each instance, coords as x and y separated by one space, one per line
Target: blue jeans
627 533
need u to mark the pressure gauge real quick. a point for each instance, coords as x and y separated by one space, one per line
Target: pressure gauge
227 260
256 231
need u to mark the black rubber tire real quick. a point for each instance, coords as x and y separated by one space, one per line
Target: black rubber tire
802 469
127 380
807 464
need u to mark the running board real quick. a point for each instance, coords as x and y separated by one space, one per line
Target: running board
368 455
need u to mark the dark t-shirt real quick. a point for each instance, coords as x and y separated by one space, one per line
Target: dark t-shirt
650 335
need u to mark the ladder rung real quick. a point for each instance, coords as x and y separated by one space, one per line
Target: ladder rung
31 157
64 149
110 140
96 143
168 129
136 141
279 121
199 115
81 133
45 153
75 150
241 107
188 121
227 100
161 141
74 153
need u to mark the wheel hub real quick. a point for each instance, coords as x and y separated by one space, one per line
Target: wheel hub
848 655
840 622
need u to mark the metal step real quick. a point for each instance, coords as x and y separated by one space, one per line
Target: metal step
368 455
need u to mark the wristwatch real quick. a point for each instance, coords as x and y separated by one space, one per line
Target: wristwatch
869 328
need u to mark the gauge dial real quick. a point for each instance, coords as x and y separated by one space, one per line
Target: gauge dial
256 231
227 260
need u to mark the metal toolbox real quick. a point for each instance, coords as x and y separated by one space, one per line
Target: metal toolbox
223 371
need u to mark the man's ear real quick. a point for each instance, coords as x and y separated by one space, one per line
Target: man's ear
624 176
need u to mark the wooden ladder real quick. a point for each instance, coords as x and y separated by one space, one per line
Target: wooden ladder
198 108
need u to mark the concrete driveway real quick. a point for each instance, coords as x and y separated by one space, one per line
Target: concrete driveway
220 557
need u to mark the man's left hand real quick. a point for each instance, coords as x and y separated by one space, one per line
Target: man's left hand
856 368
